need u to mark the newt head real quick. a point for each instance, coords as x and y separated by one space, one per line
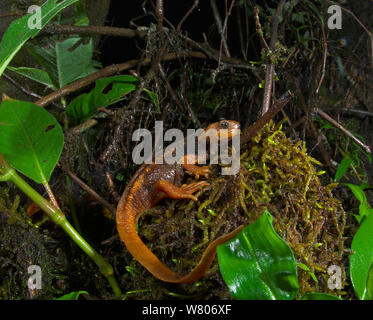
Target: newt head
225 128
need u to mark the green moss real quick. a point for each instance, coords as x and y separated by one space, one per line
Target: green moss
275 173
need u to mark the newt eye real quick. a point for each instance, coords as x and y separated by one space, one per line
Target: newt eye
224 124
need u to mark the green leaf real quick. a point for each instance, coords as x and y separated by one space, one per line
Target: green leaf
35 74
72 295
369 295
31 139
319 296
258 263
19 32
67 61
342 168
317 11
358 192
364 210
305 268
107 91
154 99
362 258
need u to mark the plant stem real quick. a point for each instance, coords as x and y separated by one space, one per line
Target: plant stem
8 173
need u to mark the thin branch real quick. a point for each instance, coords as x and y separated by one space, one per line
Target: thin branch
253 130
350 110
325 45
109 71
52 29
218 21
270 66
88 189
11 14
160 15
189 12
343 129
20 87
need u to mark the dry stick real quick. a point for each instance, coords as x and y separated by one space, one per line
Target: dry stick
189 12
270 66
112 187
217 18
362 113
11 14
24 90
129 33
84 126
227 14
160 15
109 71
52 29
253 130
173 94
90 190
343 129
325 45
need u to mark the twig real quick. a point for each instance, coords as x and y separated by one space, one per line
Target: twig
90 190
84 126
52 29
24 90
349 110
270 66
253 130
259 29
218 21
111 186
109 71
160 15
189 12
174 96
11 14
325 45
343 129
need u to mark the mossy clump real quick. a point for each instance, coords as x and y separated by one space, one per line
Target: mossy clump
279 175
276 174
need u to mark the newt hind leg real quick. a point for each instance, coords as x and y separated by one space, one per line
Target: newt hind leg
183 192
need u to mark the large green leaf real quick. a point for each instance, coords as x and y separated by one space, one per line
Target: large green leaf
66 61
258 263
107 91
31 139
19 32
362 258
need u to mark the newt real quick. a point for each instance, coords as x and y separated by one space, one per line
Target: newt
154 182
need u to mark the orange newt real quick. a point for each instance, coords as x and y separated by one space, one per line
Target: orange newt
152 183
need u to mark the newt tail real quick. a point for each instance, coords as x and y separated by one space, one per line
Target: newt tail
152 183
